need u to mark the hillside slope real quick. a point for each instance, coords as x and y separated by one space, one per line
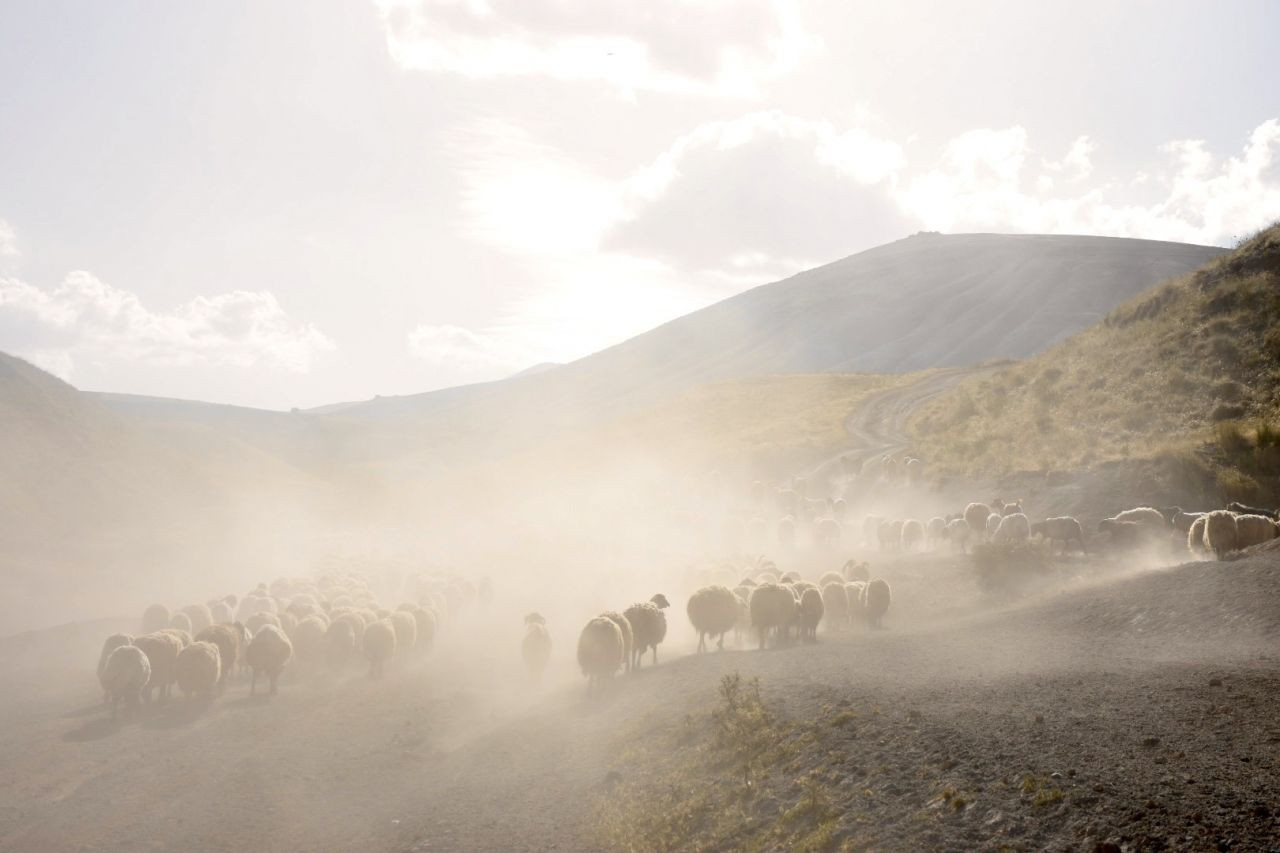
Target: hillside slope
925 301
1184 372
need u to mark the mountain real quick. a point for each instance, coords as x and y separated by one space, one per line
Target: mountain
926 301
1187 372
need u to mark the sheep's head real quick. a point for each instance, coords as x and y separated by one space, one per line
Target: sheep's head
661 601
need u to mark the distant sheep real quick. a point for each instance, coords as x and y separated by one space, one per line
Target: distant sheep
162 649
535 648
406 628
1221 535
810 612
648 627
772 607
912 534
855 571
993 524
1195 537
1012 528
958 534
180 622
628 636
826 532
1240 509
600 651
109 645
1254 530
830 577
426 620
309 638
268 653
1182 521
976 515
935 531
222 613
1144 515
1064 529
713 611
260 618
835 605
856 592
199 666
871 530
340 642
379 645
876 598
124 675
199 615
155 618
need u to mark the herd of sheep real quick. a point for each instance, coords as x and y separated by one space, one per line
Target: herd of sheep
333 622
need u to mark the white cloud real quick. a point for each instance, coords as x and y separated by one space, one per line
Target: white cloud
85 318
466 350
8 241
726 47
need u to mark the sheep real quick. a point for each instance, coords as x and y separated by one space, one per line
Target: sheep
1011 508
199 615
268 652
182 636
993 524
155 618
856 593
772 607
379 645
875 599
162 650
308 639
222 613
1254 530
628 635
871 530
426 620
406 627
648 627
1195 537
810 611
958 533
261 618
124 675
912 534
1062 527
1221 535
1240 509
1143 515
198 668
790 577
1012 528
180 622
1182 521
830 577
600 650
826 532
976 515
109 645
535 648
935 531
535 618
340 642
835 605
852 570
1124 533
712 611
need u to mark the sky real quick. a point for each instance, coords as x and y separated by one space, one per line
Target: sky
297 203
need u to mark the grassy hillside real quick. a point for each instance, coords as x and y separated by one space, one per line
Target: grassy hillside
1188 373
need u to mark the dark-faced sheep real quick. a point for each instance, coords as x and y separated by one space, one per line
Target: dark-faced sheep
876 598
772 608
648 627
199 666
268 652
600 650
535 648
1125 534
124 675
713 611
1064 529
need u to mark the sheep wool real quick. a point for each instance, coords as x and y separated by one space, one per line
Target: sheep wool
406 628
162 649
535 648
268 652
1254 530
1195 537
772 607
835 605
199 666
599 650
713 611
810 612
1221 536
155 617
109 645
125 674
648 627
876 601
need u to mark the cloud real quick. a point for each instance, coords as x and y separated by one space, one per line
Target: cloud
719 47
467 350
978 184
85 318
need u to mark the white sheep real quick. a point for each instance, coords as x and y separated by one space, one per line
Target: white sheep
809 612
993 524
1195 537
199 615
976 515
648 627
912 534
628 636
935 531
1182 521
1254 530
109 645
1144 515
309 640
835 605
713 611
855 591
155 618
772 609
1063 528
600 650
1012 528
958 533
426 619
875 598
340 642
198 668
162 649
1221 535
124 676
269 651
